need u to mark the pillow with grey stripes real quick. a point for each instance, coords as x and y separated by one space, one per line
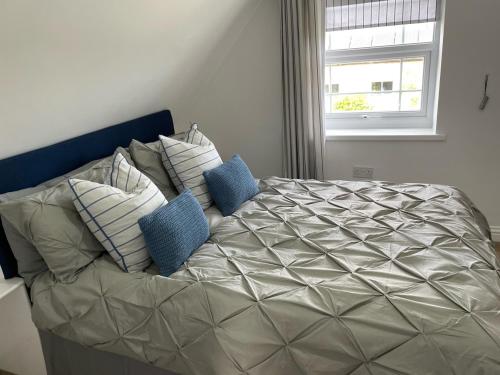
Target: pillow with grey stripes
111 211
185 162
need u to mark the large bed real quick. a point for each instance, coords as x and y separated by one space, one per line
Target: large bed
308 277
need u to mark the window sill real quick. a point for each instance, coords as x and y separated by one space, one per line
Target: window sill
384 135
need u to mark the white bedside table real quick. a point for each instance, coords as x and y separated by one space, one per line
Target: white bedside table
20 349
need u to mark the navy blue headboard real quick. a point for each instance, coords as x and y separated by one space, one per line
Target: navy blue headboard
34 167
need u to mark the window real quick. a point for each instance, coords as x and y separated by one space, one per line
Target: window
385 76
382 86
332 88
387 86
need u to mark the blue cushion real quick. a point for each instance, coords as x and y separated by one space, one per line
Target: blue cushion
230 185
174 231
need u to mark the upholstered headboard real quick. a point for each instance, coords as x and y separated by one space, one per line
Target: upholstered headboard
34 167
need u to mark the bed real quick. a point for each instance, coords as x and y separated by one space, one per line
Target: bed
308 277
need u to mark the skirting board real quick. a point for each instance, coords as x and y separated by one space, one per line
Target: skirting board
495 234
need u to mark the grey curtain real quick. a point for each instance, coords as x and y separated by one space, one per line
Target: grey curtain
302 34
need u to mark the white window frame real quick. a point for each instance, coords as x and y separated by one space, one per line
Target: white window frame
423 120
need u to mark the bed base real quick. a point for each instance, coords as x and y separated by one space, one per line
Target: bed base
64 357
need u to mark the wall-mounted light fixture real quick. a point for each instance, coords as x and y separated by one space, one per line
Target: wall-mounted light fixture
482 106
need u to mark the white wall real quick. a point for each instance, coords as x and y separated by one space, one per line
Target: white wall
69 67
470 157
241 102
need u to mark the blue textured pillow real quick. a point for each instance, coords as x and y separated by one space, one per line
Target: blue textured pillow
230 185
174 231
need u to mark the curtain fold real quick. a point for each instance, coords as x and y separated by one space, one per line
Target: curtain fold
302 34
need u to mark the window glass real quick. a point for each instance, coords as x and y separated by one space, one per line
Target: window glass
412 74
375 86
411 101
380 36
382 77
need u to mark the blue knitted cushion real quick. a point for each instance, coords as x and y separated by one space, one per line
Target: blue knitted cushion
174 231
230 185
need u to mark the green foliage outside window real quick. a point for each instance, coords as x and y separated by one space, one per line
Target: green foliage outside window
414 102
353 103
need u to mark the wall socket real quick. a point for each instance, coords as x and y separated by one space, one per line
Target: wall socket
362 173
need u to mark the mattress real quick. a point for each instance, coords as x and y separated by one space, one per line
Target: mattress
308 277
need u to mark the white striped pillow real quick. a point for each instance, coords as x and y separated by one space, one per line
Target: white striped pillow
186 161
195 137
112 211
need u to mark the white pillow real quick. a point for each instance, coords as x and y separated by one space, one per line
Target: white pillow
186 161
112 211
